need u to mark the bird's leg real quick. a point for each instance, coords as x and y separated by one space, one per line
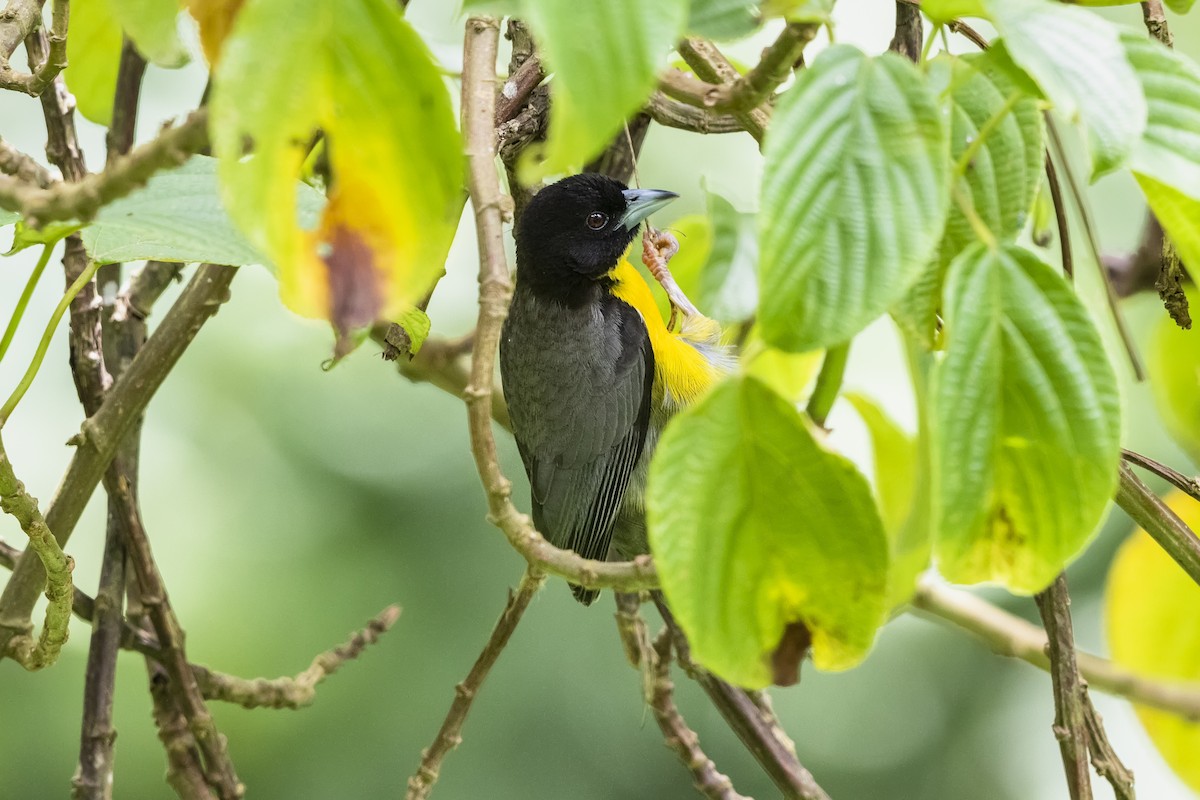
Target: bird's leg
658 248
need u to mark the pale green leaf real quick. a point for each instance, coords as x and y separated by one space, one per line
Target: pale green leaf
416 324
991 116
1154 631
605 58
723 19
359 73
94 56
754 527
728 285
1180 6
854 197
799 10
1026 420
1169 150
25 237
178 216
947 10
8 217
791 375
1077 59
153 25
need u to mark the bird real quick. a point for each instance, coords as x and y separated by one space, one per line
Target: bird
590 371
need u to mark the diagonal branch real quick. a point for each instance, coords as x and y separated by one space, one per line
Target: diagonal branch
449 735
54 62
1189 486
1172 534
82 200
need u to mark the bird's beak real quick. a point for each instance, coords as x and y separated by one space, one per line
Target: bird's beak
641 203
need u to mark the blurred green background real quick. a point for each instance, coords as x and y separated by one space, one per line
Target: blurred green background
286 505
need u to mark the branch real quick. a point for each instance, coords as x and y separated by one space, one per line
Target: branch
1008 635
1172 534
1156 22
910 32
1060 218
745 92
449 735
674 114
101 433
654 662
82 200
750 717
23 167
18 19
1130 273
54 62
185 773
517 88
1104 758
55 567
1055 606
711 65
478 114
1189 486
300 690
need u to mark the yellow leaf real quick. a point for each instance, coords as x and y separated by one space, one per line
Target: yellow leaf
215 18
1153 619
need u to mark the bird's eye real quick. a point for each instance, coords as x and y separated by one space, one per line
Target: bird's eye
597 220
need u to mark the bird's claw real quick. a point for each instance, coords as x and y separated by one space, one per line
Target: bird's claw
658 248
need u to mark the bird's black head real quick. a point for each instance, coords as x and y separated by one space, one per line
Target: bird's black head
574 232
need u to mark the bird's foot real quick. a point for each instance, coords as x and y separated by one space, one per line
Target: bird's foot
658 248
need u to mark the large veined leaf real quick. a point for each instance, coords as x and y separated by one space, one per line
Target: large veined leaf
1026 420
357 72
754 527
1001 131
1154 631
854 196
179 216
1078 61
605 58
93 56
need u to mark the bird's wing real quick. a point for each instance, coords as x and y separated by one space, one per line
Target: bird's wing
582 438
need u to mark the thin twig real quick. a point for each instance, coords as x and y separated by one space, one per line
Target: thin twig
654 663
1172 534
82 200
1104 758
185 770
293 691
1054 603
449 736
478 111
516 90
1008 635
1060 218
1189 486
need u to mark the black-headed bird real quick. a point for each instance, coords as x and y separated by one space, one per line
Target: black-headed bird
590 370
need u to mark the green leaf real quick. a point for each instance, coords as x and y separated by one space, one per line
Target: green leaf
1026 422
25 236
901 478
728 286
179 216
755 527
854 197
153 25
1153 630
1169 150
292 68
723 19
605 57
1180 6
8 217
789 374
1077 59
94 55
1003 129
1178 213
947 10
799 10
416 324
1174 365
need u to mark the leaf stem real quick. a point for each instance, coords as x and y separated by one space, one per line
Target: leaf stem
829 383
40 354
1156 518
15 321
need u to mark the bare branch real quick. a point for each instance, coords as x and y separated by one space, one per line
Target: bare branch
185 772
18 19
516 90
674 114
54 62
654 663
910 32
23 167
298 691
1164 525
82 200
1010 636
1189 486
1055 606
449 735
1104 758
711 65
